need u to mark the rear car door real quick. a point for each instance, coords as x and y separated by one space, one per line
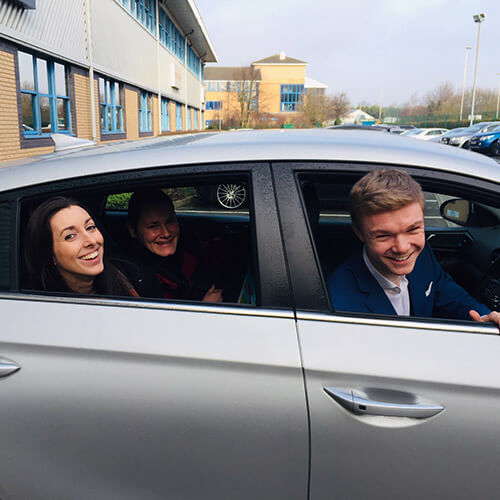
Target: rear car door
131 398
399 408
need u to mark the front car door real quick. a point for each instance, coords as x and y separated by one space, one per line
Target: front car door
125 398
388 369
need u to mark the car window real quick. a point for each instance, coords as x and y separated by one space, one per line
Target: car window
469 252
204 244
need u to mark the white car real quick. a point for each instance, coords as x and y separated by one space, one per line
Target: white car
425 134
271 394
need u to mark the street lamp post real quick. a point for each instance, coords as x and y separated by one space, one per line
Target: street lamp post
498 99
478 18
463 85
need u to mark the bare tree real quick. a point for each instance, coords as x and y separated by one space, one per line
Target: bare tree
315 108
246 82
337 106
443 99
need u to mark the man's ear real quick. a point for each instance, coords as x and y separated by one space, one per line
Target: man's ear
358 233
131 231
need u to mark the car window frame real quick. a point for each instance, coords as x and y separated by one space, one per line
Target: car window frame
272 281
311 298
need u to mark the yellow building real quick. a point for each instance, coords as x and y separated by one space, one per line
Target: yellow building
274 88
103 70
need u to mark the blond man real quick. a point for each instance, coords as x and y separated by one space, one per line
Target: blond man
396 272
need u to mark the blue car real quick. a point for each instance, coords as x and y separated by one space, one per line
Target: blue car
487 142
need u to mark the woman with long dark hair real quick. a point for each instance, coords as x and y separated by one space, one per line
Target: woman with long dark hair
64 252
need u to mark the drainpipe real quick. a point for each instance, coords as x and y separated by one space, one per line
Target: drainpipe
158 75
91 69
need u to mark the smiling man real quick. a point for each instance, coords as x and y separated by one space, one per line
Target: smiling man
397 272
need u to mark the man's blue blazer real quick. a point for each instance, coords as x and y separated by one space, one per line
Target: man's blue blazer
433 293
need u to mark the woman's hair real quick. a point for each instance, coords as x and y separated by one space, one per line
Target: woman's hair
42 273
143 199
384 190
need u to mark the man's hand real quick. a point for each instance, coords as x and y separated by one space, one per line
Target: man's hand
493 317
213 295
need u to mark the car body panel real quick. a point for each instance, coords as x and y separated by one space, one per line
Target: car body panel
381 456
135 398
354 146
150 402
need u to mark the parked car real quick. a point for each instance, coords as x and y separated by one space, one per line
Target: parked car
450 133
487 142
425 134
113 397
462 138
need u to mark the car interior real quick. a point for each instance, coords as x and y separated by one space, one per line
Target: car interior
463 232
221 236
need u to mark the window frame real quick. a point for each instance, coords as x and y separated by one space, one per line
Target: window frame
51 95
145 111
308 283
165 115
109 106
291 97
273 291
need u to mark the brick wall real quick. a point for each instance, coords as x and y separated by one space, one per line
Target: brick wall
10 146
82 106
132 114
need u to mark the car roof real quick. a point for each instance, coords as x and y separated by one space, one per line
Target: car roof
252 145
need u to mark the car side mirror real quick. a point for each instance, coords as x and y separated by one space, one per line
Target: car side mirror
456 210
467 213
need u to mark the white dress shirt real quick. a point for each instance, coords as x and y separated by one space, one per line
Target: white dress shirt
398 295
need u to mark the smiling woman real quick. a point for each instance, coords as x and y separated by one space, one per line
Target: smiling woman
64 252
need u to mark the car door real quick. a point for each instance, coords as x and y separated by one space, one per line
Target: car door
399 408
120 398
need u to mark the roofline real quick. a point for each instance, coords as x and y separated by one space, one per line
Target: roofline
278 64
353 147
193 15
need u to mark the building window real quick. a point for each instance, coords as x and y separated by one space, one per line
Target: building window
145 105
44 95
194 63
178 116
144 11
195 114
292 96
171 37
188 118
165 117
214 86
213 105
110 106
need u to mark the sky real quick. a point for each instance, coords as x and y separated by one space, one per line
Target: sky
377 51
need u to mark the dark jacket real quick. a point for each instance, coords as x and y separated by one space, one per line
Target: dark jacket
433 292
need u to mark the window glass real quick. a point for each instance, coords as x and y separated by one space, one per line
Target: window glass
62 114
26 75
28 116
60 79
45 115
42 72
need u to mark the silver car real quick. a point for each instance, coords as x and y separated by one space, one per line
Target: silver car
461 138
271 394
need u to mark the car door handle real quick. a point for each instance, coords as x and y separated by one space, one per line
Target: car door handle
357 402
8 367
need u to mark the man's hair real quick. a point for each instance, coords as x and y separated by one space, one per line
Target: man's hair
383 190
